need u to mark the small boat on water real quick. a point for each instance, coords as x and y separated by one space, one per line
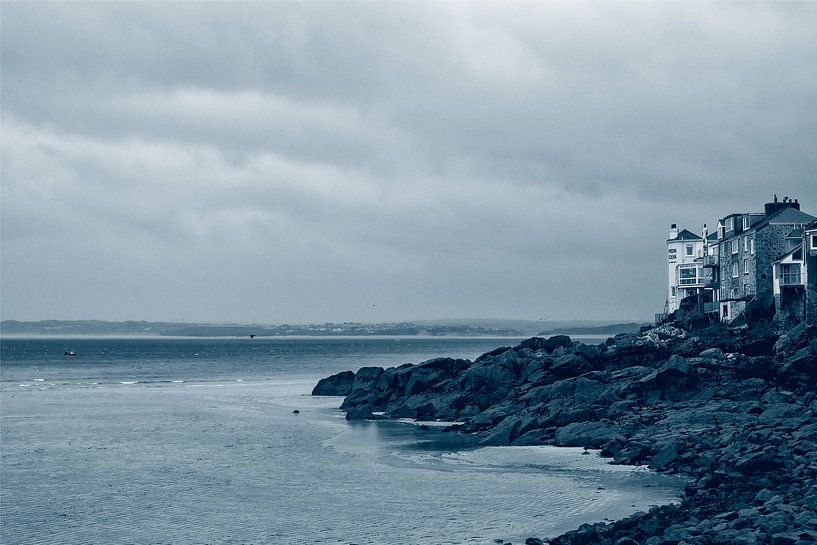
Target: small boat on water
69 353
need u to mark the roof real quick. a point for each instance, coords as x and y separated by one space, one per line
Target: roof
790 252
796 233
784 216
712 236
686 235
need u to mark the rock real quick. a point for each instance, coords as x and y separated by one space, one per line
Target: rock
570 365
492 353
359 413
758 462
548 345
577 389
363 386
667 454
666 332
586 434
763 496
339 384
794 339
787 538
494 379
713 353
504 432
677 365
737 422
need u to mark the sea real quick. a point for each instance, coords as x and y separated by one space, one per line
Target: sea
213 440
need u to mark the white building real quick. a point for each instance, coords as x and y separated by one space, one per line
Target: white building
689 272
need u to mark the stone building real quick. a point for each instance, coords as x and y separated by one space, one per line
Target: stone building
788 279
810 272
749 244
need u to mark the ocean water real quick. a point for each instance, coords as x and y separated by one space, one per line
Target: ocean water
195 441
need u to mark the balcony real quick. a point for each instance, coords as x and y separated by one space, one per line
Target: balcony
710 261
791 279
697 282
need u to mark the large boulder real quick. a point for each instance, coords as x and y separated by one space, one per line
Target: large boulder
570 365
571 390
795 339
548 345
484 377
363 386
339 384
419 378
587 434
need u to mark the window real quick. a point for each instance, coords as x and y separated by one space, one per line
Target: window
673 291
690 250
752 246
688 276
745 222
745 244
745 266
735 269
790 274
814 242
734 245
730 224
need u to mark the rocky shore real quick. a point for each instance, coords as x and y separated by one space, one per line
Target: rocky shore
733 411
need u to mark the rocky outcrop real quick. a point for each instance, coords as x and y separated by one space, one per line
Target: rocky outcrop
736 412
336 385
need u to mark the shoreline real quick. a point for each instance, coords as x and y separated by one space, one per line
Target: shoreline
734 412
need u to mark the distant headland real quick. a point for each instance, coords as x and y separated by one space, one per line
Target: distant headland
435 328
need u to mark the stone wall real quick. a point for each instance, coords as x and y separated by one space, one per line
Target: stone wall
728 283
811 289
770 244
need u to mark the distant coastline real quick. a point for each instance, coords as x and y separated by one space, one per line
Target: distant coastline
439 328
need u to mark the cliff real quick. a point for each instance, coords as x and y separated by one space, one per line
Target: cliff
736 412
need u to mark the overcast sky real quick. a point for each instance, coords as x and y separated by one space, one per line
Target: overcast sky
310 162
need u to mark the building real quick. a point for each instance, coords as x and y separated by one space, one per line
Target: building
749 245
688 271
810 272
789 279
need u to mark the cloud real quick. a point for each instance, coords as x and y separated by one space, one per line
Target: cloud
296 161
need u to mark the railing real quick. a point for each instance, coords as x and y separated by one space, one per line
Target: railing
660 317
790 279
710 261
742 312
703 281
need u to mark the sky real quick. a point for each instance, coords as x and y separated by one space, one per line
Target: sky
312 162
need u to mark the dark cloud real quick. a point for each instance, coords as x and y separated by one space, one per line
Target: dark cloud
305 161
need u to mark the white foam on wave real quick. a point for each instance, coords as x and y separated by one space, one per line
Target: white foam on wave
39 380
129 382
428 423
177 381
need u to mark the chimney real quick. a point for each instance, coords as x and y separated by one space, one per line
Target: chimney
776 206
673 231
